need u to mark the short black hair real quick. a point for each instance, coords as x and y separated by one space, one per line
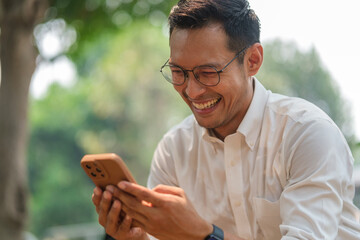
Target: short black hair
239 22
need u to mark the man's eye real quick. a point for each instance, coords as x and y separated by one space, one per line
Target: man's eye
208 73
176 72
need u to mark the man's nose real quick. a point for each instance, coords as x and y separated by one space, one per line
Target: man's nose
193 87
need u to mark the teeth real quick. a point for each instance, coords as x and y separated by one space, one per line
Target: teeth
208 104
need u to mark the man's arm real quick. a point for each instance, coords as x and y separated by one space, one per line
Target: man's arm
319 183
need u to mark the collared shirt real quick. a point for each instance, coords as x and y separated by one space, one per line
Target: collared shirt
285 173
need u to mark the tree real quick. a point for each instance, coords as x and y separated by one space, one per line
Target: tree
18 19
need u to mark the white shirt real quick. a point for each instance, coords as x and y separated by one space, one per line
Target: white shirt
285 174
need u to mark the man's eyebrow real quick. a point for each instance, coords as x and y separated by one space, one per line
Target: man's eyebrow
173 63
211 64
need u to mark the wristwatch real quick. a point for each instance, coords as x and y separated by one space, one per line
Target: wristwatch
217 234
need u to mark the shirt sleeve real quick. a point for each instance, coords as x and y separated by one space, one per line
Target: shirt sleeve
162 169
319 169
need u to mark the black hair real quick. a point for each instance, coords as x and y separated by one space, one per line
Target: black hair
239 22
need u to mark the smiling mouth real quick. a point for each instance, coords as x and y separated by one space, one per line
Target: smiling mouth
206 105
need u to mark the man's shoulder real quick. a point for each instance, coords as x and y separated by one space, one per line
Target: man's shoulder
297 119
296 109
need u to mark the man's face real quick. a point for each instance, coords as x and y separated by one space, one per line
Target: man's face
221 107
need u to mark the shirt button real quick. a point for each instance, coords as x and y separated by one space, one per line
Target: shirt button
237 203
233 163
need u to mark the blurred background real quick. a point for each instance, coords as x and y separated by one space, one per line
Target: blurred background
96 87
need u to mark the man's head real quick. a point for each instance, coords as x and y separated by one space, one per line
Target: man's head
240 23
207 36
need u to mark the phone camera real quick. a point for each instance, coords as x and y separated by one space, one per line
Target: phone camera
98 170
88 166
93 174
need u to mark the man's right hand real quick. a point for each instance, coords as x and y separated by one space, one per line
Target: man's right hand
109 210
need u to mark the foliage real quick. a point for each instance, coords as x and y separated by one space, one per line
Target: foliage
95 20
122 106
355 147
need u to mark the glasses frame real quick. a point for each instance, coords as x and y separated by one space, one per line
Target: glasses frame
186 71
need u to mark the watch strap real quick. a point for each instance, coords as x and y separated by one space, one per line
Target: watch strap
217 234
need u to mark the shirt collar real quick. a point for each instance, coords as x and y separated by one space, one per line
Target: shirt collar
207 134
251 124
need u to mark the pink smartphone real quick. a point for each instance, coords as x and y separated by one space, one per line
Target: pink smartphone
106 169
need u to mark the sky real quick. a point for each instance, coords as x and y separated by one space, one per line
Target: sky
332 27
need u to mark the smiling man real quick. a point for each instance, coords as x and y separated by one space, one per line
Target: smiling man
216 106
248 163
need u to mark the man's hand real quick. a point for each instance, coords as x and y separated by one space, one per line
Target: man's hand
118 226
164 212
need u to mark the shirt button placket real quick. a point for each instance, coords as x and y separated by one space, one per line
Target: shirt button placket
233 168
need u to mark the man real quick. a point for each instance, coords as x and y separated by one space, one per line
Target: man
248 164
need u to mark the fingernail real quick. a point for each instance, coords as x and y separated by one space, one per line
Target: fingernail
107 195
116 204
97 191
122 185
110 188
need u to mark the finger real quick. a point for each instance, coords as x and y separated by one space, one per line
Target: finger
127 228
113 218
96 198
130 225
140 192
110 188
136 232
126 223
165 189
135 214
136 224
104 207
116 192
123 196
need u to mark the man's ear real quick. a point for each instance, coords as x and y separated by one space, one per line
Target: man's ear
254 58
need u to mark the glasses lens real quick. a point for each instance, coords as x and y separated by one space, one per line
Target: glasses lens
207 75
173 74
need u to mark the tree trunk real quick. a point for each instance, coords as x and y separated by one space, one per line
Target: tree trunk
18 18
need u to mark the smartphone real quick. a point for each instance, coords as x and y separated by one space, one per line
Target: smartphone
106 169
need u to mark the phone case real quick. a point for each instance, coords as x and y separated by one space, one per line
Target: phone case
106 169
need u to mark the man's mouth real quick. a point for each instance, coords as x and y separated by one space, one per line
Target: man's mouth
206 105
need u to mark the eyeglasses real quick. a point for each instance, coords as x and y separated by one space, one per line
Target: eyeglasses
206 75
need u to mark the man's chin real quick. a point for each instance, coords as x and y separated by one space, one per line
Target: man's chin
206 123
